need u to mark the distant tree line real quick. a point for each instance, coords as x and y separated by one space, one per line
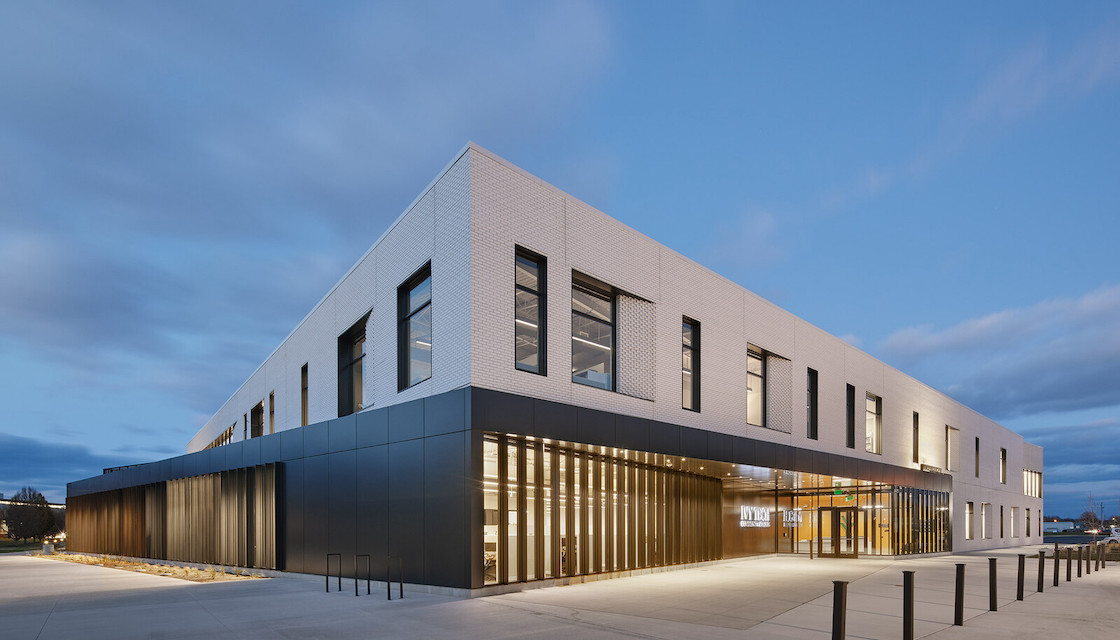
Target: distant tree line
29 516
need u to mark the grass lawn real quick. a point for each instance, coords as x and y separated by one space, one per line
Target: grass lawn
7 545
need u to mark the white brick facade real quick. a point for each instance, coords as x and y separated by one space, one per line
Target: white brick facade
468 223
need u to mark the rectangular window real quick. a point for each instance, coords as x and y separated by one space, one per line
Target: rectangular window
977 461
593 334
256 421
414 329
811 404
1001 521
1003 466
1032 483
985 526
756 388
952 448
969 522
529 313
272 412
303 395
244 426
850 424
874 415
916 438
1014 521
1028 523
351 367
690 364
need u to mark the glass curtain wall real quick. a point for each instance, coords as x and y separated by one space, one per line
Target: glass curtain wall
553 511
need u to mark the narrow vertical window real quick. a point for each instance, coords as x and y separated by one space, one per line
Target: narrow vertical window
1003 466
1001 521
811 403
756 388
690 364
303 395
874 424
245 426
850 421
969 522
529 314
256 420
1028 522
985 528
916 438
414 329
976 462
272 412
593 334
351 367
952 445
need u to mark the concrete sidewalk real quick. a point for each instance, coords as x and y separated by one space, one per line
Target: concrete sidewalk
780 597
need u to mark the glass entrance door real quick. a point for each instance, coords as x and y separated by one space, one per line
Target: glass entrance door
837 532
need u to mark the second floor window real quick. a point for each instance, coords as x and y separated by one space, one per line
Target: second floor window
414 330
529 312
593 335
874 411
351 367
1003 466
756 388
811 404
690 364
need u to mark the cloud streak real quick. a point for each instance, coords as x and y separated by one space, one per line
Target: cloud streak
1060 354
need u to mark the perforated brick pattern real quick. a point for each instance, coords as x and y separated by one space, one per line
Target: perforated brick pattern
637 353
779 391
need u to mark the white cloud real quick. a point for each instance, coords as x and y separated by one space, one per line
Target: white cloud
1059 354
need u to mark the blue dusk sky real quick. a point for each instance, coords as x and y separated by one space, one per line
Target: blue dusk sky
181 181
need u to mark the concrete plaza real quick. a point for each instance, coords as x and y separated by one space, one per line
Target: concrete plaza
771 597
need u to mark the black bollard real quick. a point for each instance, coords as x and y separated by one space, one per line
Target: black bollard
1104 555
839 608
1069 565
1041 568
1022 575
1088 560
1097 558
1078 561
992 605
907 605
958 599
1057 559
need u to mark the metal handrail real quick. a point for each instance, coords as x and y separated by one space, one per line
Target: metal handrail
328 574
368 571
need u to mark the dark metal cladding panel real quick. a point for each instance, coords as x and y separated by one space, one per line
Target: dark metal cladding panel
406 421
406 506
293 549
316 510
164 470
843 466
552 420
866 470
178 467
315 439
372 523
783 456
251 453
291 444
694 443
802 460
721 447
745 451
596 427
234 455
472 461
822 463
445 413
372 428
446 538
270 448
766 454
664 438
503 412
342 527
631 433
341 434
